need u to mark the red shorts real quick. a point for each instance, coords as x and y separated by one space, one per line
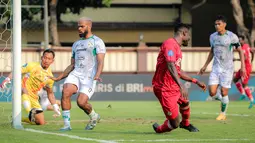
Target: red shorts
246 80
169 101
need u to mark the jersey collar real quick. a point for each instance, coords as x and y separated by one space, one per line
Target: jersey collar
87 38
42 67
226 33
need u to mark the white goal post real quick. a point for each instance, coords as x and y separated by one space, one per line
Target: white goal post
16 64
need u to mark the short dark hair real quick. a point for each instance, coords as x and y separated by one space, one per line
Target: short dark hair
49 51
222 18
179 26
241 36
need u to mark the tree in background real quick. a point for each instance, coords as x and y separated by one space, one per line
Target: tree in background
56 8
53 23
242 12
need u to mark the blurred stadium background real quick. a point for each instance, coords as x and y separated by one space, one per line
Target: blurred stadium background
133 31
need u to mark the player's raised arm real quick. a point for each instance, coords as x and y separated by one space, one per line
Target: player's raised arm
186 77
209 59
6 81
24 69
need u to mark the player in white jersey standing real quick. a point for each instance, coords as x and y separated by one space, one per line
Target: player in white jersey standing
82 74
222 43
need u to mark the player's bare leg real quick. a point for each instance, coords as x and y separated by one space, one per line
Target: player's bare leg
249 95
185 112
213 89
224 104
167 126
68 91
224 100
82 102
240 88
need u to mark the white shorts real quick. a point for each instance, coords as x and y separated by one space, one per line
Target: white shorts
43 100
84 86
222 78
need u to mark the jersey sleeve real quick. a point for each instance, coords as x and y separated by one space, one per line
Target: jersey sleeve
170 52
73 50
26 68
50 84
100 47
211 41
235 41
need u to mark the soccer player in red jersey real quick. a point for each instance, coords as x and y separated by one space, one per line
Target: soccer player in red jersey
242 83
167 86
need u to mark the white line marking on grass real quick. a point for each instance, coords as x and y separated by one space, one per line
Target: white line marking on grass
115 141
238 115
69 136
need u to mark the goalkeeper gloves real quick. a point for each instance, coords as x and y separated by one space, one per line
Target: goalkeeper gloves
56 110
5 83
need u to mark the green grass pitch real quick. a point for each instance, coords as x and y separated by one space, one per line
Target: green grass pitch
132 122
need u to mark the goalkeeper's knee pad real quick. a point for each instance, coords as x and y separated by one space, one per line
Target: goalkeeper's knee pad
33 112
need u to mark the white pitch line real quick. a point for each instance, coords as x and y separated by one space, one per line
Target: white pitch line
238 115
69 136
115 141
185 140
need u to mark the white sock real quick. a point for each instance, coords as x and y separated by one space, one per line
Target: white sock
66 117
92 114
224 104
27 106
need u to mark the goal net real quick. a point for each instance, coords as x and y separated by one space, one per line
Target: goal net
10 60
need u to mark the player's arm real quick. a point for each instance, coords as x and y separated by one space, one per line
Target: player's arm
186 77
66 71
209 59
100 63
50 94
100 54
173 71
52 100
252 54
241 55
24 69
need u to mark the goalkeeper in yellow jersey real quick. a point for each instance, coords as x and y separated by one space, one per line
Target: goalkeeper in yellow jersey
38 78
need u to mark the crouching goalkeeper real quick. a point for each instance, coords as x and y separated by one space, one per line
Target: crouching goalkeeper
35 77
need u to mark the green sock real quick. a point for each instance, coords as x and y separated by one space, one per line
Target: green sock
224 104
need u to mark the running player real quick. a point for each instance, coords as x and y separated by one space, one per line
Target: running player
222 42
242 84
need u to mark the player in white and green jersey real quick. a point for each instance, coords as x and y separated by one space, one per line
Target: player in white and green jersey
222 42
86 67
